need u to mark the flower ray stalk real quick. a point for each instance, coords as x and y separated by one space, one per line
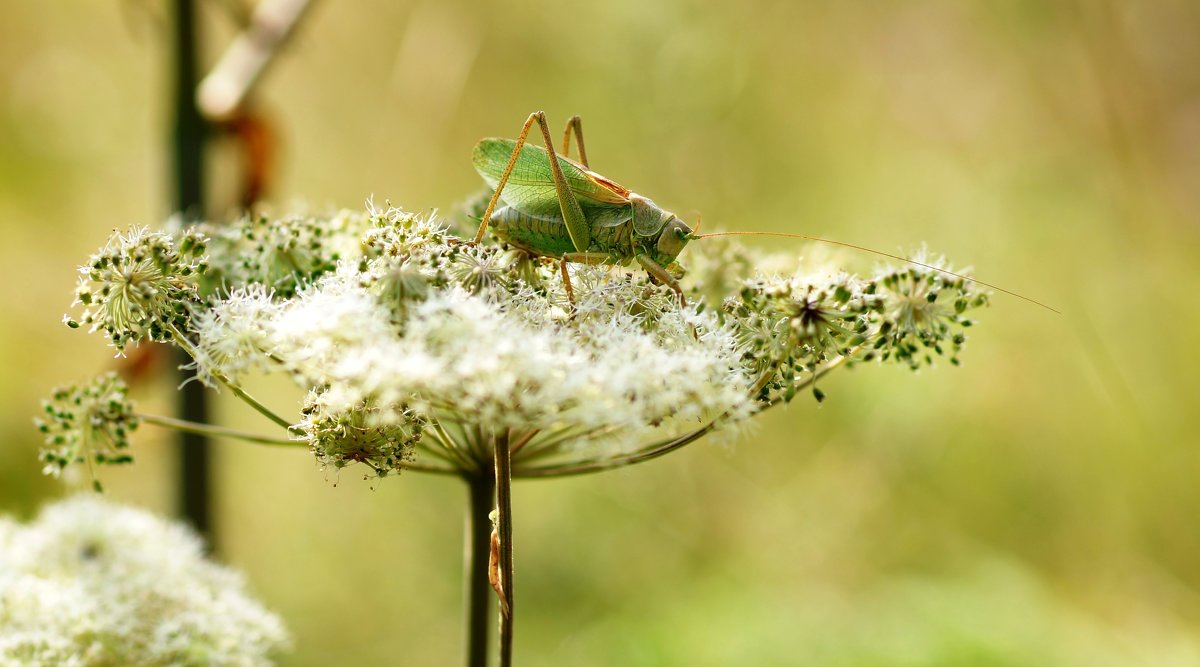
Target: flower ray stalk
451 445
666 446
216 431
186 346
554 442
524 440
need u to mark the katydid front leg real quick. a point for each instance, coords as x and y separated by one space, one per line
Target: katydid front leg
562 266
663 276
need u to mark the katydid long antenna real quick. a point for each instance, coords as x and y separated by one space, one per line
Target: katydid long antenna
878 252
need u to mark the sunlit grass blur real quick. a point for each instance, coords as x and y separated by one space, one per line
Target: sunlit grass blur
1035 507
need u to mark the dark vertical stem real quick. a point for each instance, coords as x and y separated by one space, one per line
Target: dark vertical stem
188 144
481 488
188 136
504 526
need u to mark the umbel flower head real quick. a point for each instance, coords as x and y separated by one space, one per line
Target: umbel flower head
141 285
88 423
93 583
360 435
417 349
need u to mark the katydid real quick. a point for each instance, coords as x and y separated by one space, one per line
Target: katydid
557 207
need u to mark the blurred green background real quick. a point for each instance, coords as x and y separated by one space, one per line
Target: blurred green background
1037 506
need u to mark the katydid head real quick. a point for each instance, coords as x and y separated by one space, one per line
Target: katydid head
652 222
675 235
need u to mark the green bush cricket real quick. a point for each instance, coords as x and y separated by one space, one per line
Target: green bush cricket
557 207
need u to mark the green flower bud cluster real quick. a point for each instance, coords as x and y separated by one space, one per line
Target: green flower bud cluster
407 256
88 423
398 234
790 329
282 254
341 438
923 316
482 269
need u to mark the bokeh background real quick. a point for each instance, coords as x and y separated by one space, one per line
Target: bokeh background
1038 506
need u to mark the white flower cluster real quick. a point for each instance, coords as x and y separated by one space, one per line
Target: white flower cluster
90 583
506 365
481 347
414 344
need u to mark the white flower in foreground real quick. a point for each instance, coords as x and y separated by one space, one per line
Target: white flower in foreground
93 583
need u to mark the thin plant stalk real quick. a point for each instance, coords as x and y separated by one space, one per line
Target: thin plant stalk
188 138
481 488
198 428
263 410
210 430
504 528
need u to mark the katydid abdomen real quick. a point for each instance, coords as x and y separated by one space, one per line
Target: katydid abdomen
547 236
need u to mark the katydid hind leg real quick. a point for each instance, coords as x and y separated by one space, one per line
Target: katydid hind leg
508 168
577 225
575 125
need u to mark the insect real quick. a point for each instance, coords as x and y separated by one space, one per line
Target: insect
557 207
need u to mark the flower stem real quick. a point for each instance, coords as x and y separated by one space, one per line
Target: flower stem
263 410
222 432
217 431
450 445
478 547
504 527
